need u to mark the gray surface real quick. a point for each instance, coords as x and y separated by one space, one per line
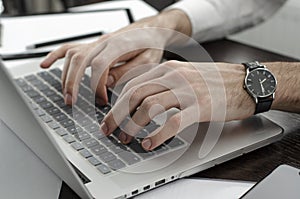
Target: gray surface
22 173
283 182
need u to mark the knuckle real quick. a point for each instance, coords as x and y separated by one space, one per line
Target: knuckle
175 120
171 63
148 103
97 62
70 53
77 58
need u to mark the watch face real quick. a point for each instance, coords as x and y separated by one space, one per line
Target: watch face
260 82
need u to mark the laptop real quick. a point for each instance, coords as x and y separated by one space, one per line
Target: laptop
69 141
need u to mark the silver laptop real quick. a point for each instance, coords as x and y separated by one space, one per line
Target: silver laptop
69 141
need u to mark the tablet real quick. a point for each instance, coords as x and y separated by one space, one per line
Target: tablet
283 182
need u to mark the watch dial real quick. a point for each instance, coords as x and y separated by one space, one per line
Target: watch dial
260 82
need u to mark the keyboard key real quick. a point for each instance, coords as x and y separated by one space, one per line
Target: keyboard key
55 98
53 82
129 157
60 117
30 77
82 136
86 80
118 148
103 169
92 128
48 92
21 82
108 141
107 157
57 72
98 135
61 132
27 88
74 129
46 119
85 121
45 105
53 125
136 147
99 149
42 87
160 149
67 123
69 138
88 109
36 82
40 112
45 75
40 99
151 127
85 153
90 142
33 94
94 161
176 142
104 109
116 164
53 111
77 146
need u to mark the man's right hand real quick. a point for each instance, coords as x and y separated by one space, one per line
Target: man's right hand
138 44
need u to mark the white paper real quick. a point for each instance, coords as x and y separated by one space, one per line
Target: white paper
19 32
199 188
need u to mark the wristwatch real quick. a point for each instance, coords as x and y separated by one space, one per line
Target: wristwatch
261 84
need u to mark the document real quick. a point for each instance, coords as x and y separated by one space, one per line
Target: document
19 32
198 189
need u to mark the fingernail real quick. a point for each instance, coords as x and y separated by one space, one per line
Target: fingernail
68 99
104 128
110 81
146 144
123 137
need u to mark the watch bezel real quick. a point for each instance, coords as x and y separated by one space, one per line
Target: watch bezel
253 94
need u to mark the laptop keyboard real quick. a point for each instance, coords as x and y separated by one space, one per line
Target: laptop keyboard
79 125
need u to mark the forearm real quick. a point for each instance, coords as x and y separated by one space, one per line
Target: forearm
287 95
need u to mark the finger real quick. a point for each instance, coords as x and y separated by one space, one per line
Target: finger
73 78
55 55
140 64
172 127
100 68
152 76
150 107
127 105
67 62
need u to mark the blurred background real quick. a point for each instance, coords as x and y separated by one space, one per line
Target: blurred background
279 34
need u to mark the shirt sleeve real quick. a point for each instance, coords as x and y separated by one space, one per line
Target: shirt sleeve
213 19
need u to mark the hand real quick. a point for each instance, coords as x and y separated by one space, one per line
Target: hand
130 47
201 91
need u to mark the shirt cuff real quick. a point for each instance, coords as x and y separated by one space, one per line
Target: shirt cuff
203 17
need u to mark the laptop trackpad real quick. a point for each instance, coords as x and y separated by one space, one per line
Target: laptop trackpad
22 173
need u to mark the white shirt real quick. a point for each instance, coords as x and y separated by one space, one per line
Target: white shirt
212 19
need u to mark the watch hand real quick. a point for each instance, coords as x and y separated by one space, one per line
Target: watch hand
263 80
262 88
